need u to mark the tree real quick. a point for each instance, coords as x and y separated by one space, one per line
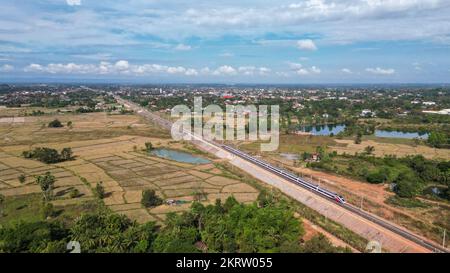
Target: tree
376 177
46 182
70 124
150 199
148 146
55 124
358 139
22 178
437 139
408 185
66 154
100 190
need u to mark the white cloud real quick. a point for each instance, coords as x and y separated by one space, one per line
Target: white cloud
315 70
6 68
123 67
73 2
381 71
183 47
302 71
346 71
306 45
225 70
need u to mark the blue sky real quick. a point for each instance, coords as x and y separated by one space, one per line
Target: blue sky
246 41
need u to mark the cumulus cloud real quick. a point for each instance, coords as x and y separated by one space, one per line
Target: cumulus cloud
107 68
183 47
299 69
73 2
225 70
381 71
123 67
6 68
252 70
346 71
307 44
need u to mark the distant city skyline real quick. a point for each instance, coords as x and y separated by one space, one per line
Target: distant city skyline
247 41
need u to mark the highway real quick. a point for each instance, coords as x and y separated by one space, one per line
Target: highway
298 181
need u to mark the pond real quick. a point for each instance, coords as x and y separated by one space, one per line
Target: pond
400 134
179 156
323 130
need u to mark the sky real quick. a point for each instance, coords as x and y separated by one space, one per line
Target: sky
225 41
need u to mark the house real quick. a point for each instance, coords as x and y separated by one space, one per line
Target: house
367 113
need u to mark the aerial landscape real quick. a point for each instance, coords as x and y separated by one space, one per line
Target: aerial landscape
224 127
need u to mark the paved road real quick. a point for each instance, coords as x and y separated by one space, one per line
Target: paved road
391 236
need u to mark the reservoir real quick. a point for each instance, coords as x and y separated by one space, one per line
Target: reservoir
400 134
323 130
179 156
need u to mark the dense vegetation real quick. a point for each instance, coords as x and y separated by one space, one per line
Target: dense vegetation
48 155
228 227
410 175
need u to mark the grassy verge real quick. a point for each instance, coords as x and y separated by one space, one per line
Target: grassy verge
27 208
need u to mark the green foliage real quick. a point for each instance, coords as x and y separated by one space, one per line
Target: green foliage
22 178
406 202
47 210
321 244
66 154
377 177
408 185
34 237
46 182
55 124
369 150
99 190
105 232
74 193
148 146
437 139
231 227
150 199
48 155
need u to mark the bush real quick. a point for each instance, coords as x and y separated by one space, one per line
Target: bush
100 190
74 193
150 199
408 185
55 124
148 146
376 177
22 178
47 210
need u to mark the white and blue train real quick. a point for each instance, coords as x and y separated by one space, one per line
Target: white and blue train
289 176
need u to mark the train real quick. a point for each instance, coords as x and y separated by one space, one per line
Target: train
287 175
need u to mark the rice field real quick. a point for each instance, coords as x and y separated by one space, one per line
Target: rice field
108 149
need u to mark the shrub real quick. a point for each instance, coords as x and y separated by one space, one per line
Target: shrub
55 124
100 190
22 178
47 210
150 199
74 193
